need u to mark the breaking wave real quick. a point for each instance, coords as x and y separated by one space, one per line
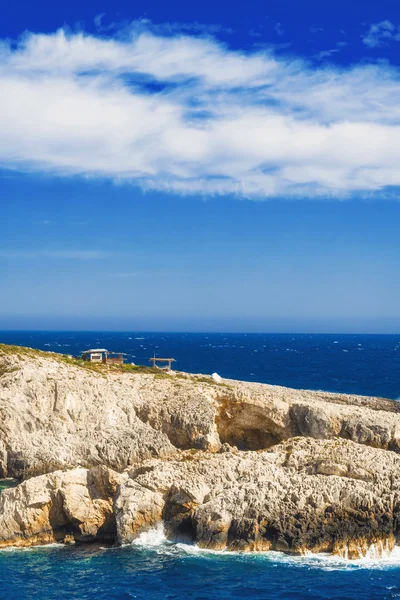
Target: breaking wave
153 567
155 540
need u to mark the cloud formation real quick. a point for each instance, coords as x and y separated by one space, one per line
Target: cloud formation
379 34
279 29
186 114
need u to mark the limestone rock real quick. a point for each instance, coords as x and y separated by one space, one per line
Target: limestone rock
216 377
304 495
108 453
75 505
300 496
57 414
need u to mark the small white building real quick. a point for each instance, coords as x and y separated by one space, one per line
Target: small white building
101 355
95 355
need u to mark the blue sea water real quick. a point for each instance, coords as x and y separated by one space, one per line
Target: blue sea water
156 570
355 364
174 572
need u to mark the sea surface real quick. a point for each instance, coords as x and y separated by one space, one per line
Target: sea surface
154 569
157 570
354 364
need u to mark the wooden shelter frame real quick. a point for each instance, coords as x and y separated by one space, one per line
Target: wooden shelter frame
167 367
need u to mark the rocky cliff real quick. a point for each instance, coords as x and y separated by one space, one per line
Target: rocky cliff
108 452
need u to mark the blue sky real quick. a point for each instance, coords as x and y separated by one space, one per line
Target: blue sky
200 166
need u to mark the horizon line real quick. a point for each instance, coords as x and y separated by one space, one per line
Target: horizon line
192 332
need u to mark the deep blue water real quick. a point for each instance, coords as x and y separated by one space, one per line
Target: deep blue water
357 364
172 573
364 364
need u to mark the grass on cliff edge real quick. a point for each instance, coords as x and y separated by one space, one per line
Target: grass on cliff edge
22 351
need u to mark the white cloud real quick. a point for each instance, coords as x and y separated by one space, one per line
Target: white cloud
379 34
97 20
326 53
186 114
279 29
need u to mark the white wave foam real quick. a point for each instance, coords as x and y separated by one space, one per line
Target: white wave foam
153 538
373 560
32 548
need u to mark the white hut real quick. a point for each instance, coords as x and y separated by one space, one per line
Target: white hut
101 355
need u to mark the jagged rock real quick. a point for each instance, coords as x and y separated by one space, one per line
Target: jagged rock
304 495
226 464
57 414
68 506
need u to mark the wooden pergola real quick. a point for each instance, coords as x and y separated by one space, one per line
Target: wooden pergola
167 367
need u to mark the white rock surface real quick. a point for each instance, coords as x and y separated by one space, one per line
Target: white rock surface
57 415
303 495
76 504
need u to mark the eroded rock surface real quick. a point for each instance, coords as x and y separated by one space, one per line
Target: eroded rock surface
107 454
75 505
57 415
304 495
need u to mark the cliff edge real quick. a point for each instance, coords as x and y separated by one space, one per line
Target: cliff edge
108 452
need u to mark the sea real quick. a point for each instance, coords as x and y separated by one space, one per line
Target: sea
153 568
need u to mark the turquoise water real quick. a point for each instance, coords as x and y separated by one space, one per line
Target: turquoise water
7 483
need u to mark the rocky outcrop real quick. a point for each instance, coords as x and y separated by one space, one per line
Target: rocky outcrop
69 506
256 416
58 414
303 495
108 452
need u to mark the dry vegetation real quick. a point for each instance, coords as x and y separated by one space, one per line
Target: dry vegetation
100 368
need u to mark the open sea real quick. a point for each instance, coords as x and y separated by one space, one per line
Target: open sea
354 364
154 569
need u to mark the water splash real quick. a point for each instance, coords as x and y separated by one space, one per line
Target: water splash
153 538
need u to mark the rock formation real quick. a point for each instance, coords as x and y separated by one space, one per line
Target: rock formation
75 505
303 495
57 414
109 452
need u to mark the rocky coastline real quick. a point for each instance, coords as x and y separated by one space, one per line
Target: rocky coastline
107 453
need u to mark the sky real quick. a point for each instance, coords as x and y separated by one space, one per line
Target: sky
200 166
